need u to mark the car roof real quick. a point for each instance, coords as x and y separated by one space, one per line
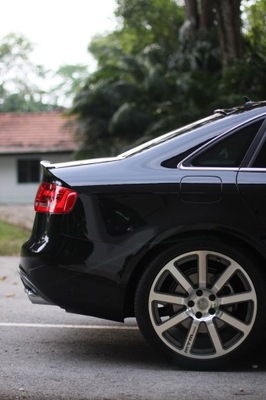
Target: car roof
180 140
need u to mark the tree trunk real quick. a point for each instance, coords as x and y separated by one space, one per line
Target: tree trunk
200 15
207 14
192 15
229 27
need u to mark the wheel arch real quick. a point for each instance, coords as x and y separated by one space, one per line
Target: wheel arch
242 243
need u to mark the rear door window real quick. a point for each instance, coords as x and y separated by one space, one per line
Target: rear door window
229 151
260 160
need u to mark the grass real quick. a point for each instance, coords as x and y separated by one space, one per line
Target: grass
11 239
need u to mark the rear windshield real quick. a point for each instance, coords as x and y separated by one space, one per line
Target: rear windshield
164 138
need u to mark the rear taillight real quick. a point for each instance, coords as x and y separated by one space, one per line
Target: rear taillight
52 198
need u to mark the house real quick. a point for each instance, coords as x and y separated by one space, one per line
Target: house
25 140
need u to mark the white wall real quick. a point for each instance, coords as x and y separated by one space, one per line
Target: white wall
12 192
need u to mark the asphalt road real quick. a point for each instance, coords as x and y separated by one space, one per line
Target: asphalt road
46 353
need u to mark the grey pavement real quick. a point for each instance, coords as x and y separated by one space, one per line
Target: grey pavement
48 354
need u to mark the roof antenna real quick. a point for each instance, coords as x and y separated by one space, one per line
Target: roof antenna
247 100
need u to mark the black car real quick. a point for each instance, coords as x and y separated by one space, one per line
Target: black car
172 232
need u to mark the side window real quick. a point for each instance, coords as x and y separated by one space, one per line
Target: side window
260 161
229 151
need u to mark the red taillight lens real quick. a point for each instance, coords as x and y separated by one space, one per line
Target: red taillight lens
52 198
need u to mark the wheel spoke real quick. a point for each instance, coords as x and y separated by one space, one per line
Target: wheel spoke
235 323
179 277
226 275
192 333
193 319
202 269
238 298
170 323
167 298
215 338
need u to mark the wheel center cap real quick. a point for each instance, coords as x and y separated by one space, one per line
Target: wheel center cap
202 304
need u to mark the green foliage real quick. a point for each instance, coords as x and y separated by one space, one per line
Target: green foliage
134 97
68 80
23 84
149 21
11 239
19 102
155 75
255 25
142 23
18 91
122 99
14 47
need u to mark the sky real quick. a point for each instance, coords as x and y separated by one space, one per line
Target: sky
59 30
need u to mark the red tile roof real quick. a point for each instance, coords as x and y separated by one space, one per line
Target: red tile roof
36 132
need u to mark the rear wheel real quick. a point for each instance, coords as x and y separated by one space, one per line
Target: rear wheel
201 304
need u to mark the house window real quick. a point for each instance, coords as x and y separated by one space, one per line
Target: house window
28 171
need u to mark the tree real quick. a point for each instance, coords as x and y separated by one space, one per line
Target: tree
24 85
247 74
154 76
201 17
228 16
148 22
19 77
65 82
254 25
113 106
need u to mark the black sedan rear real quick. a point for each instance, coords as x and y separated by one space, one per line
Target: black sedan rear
172 232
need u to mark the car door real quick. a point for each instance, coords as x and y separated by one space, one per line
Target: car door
251 180
210 177
214 168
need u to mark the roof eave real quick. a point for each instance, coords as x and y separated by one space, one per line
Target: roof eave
31 150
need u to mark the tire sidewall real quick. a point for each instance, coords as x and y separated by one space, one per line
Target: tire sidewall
251 267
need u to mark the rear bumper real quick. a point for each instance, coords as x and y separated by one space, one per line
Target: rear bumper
72 288
33 293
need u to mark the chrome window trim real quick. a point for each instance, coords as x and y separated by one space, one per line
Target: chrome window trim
217 138
193 168
250 169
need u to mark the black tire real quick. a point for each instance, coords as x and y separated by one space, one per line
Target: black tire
201 304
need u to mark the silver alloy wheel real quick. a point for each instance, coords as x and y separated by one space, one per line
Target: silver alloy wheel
202 304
